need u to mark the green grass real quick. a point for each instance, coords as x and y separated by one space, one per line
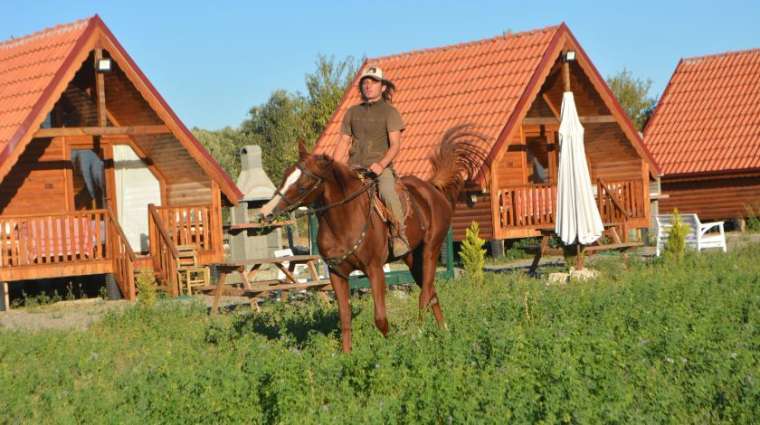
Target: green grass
657 343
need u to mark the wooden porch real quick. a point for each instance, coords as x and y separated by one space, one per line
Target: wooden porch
43 246
40 246
525 211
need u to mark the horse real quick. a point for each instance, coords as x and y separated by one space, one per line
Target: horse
353 236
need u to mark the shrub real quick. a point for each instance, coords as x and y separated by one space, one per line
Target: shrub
753 218
146 287
675 246
473 253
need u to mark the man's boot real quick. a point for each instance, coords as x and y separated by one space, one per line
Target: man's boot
400 243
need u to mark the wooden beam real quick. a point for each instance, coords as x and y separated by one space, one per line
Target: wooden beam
566 75
592 119
100 90
137 130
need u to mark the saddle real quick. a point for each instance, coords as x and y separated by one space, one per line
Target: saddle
385 213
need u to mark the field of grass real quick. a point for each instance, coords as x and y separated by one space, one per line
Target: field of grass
657 343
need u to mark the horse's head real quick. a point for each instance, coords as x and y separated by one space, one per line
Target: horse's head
302 184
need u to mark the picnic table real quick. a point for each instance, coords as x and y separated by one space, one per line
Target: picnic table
254 289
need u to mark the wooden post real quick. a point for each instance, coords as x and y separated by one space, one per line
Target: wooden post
566 75
6 305
578 256
100 90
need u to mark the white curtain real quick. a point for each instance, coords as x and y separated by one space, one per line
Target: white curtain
577 214
136 187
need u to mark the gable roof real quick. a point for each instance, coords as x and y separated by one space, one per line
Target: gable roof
708 119
489 83
35 70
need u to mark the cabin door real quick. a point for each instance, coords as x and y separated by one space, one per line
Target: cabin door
136 187
87 174
541 157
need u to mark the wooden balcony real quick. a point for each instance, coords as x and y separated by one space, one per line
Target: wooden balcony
39 246
527 208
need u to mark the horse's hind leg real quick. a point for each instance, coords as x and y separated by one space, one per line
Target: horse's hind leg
340 286
376 278
422 262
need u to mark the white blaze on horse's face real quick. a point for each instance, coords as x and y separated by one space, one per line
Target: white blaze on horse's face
269 207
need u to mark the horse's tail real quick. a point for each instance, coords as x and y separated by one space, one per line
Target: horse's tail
459 155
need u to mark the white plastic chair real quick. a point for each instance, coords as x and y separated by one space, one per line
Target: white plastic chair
698 237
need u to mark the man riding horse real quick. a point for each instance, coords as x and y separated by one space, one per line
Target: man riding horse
374 126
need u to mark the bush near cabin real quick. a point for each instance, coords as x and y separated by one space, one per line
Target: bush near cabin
660 343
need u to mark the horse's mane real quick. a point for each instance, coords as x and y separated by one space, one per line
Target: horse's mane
460 153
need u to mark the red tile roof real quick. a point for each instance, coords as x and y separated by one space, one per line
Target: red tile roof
28 66
708 119
480 82
31 68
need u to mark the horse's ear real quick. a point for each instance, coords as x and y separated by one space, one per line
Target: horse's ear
302 152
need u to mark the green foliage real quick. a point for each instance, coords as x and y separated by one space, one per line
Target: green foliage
472 253
224 146
661 343
633 95
753 218
675 246
146 287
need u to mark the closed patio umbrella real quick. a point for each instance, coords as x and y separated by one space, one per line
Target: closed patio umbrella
578 217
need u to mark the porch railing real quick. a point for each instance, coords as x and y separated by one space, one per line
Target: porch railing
74 238
163 251
535 206
528 206
37 239
188 225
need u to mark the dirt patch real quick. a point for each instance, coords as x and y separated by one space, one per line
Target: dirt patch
77 314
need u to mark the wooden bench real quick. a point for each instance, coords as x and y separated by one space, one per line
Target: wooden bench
697 238
255 289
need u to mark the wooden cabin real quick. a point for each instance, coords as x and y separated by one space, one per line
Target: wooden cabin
510 88
97 173
705 135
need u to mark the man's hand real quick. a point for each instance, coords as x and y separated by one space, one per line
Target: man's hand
376 168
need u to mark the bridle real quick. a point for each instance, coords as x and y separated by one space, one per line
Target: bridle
291 205
332 262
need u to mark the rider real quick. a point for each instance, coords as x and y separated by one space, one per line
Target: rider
374 126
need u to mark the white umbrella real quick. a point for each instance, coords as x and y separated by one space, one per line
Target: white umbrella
577 214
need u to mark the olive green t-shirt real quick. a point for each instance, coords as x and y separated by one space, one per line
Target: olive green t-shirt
369 124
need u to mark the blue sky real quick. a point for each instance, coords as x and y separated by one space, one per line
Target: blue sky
212 61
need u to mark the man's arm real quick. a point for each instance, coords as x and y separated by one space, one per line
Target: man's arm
394 137
341 149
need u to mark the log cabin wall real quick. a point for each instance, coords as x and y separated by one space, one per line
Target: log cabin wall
37 182
480 212
712 198
610 156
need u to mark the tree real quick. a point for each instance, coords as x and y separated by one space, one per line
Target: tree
325 88
633 95
224 145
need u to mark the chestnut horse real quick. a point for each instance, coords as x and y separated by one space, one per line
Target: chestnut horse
352 235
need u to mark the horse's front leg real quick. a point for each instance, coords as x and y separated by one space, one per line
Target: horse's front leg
377 282
342 293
